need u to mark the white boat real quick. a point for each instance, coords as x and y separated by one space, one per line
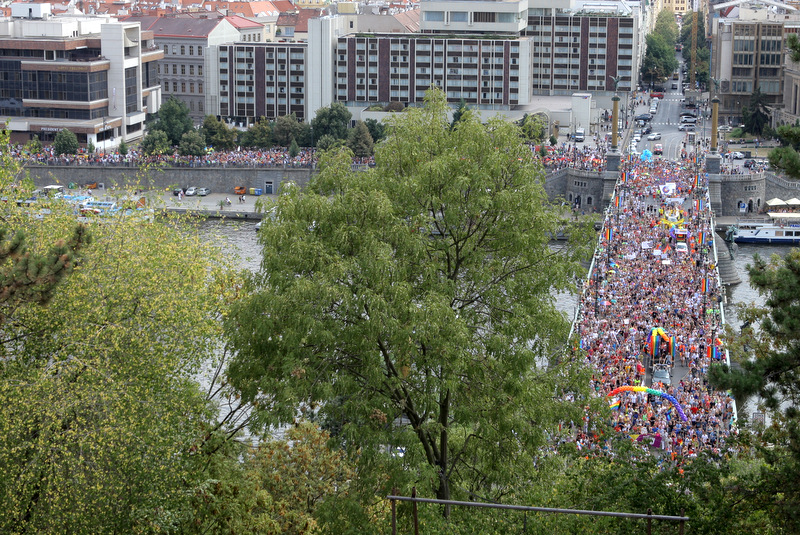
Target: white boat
777 228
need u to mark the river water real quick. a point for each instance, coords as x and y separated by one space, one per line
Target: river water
239 238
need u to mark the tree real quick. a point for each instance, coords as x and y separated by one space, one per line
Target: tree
332 120
768 361
173 120
192 144
90 148
34 146
217 134
327 142
359 140
414 302
123 148
258 135
755 116
285 130
786 156
376 129
667 27
533 127
65 142
101 417
459 112
659 61
294 149
155 143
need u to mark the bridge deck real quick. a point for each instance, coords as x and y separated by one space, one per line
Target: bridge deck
651 313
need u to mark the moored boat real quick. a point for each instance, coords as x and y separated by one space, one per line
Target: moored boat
777 228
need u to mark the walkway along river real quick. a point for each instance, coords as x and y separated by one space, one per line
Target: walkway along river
651 313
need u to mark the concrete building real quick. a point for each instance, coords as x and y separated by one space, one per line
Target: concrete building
186 40
92 75
748 53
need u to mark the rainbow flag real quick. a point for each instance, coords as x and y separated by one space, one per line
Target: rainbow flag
697 180
704 285
615 405
609 234
616 201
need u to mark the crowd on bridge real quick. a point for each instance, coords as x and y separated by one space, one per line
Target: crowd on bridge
570 155
652 303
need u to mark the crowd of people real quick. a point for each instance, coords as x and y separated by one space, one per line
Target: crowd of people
654 273
570 155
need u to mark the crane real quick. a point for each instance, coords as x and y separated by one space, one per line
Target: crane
693 71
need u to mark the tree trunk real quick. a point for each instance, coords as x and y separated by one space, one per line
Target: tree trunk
443 492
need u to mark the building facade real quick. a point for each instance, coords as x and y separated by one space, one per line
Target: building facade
91 75
748 54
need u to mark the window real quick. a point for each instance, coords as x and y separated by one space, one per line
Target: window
200 88
191 70
183 69
434 16
183 50
174 87
199 69
191 50
174 68
459 16
199 51
191 87
183 87
166 49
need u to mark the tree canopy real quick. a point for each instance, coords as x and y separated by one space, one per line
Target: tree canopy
65 142
410 306
173 120
332 120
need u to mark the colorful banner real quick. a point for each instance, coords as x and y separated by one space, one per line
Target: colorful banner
654 393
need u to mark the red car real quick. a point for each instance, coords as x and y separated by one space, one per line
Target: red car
656 94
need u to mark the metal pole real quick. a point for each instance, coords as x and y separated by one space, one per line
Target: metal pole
649 522
680 525
394 513
415 513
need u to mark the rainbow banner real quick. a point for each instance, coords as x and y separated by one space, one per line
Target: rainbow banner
704 286
616 201
609 235
650 391
616 405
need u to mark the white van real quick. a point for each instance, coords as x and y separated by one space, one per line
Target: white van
580 134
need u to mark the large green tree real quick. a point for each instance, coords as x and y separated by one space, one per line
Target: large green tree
258 135
769 368
786 157
155 143
332 120
360 141
192 144
217 134
287 129
659 61
414 302
756 116
65 142
173 120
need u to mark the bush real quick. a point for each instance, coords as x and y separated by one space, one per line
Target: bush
65 142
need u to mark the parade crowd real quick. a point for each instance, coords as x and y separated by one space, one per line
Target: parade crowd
646 278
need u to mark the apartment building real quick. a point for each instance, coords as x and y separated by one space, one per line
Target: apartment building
260 80
89 74
186 40
748 55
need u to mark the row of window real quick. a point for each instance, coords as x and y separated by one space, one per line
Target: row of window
182 68
183 87
182 49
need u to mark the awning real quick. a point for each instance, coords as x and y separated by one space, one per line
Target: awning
776 202
794 201
779 215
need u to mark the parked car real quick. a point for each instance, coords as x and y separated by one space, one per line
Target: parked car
737 155
654 136
191 191
177 191
203 191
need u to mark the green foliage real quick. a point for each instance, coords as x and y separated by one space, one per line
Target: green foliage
258 135
294 149
173 120
332 120
327 142
769 358
376 129
34 146
756 116
217 134
459 113
155 143
786 157
192 144
533 127
703 53
667 27
65 142
395 106
396 297
659 61
123 148
286 129
360 141
553 141
90 148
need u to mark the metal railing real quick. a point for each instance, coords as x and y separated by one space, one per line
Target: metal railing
649 516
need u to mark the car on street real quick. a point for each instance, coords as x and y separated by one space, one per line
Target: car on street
737 155
203 191
647 129
637 137
644 117
681 247
688 114
661 375
658 149
689 120
686 127
191 191
654 136
725 128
